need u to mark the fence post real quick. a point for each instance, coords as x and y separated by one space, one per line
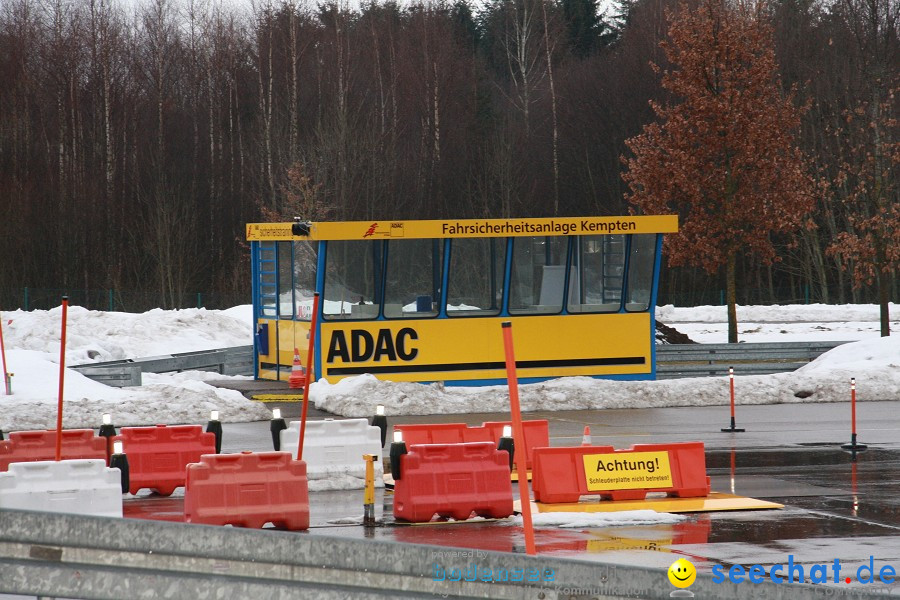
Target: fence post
199 300
26 299
112 305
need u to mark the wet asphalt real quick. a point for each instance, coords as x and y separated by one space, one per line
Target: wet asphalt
838 504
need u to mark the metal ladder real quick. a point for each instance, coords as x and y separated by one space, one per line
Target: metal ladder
268 278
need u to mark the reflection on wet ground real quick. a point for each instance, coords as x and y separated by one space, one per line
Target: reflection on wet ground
837 505
828 496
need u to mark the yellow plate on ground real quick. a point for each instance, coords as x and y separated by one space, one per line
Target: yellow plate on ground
514 476
278 398
389 481
473 521
716 501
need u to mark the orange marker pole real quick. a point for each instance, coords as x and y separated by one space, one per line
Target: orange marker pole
518 437
62 373
309 359
3 357
732 429
853 445
731 386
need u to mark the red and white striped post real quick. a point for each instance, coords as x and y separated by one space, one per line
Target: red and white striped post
853 445
731 429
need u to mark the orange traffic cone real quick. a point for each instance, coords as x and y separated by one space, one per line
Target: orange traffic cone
586 438
298 374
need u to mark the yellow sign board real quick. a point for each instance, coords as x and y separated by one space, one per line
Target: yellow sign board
412 349
269 231
467 228
627 471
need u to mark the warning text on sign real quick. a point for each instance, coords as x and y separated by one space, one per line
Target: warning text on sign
627 470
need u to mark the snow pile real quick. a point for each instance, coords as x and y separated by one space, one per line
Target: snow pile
96 336
340 480
602 519
32 353
799 322
875 363
32 356
791 313
170 398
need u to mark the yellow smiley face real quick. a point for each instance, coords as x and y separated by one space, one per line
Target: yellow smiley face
682 573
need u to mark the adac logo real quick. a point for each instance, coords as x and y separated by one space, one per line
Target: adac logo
371 230
682 574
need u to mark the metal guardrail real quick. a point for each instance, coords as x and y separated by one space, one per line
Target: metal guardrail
73 556
672 361
705 360
237 360
123 375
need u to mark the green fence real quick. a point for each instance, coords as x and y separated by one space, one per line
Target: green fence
745 296
142 300
117 300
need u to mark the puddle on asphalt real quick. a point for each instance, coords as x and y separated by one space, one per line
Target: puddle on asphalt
837 498
803 457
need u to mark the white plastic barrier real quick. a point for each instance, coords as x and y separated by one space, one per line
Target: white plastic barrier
78 486
335 448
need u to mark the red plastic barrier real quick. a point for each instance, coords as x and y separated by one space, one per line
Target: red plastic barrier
248 490
537 434
158 456
30 446
679 469
442 433
453 480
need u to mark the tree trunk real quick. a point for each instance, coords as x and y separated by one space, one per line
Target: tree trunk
548 50
730 295
884 298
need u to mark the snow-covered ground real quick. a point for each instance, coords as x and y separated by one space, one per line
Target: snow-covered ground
795 322
32 354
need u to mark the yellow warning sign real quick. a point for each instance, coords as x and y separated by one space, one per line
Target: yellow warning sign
627 471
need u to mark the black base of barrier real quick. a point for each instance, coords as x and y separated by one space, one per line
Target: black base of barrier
215 427
120 461
506 443
380 421
276 427
398 449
